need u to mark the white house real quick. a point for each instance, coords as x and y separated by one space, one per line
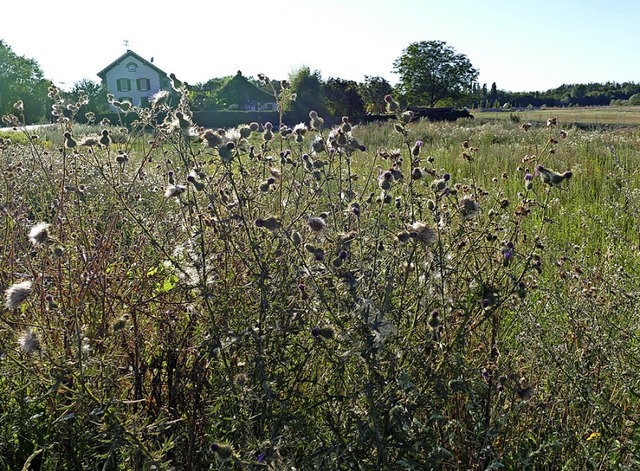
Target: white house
130 77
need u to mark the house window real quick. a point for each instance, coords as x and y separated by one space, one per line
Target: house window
124 85
144 84
144 101
132 67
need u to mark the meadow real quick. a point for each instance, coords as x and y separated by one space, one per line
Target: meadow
589 117
401 295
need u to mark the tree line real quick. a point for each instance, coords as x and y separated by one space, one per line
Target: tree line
431 73
580 94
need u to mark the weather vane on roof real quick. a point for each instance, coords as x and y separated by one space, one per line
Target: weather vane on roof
126 43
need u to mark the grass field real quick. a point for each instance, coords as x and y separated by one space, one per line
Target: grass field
607 115
392 296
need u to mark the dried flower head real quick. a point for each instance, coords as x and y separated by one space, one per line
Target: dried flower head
184 122
39 234
122 157
29 342
223 451
16 294
407 116
469 208
528 181
316 224
346 125
213 138
439 185
174 190
300 128
316 122
160 98
422 232
552 178
417 173
270 223
385 180
105 140
391 105
416 148
267 135
176 84
69 141
403 236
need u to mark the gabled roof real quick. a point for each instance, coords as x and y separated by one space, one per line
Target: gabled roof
127 55
240 91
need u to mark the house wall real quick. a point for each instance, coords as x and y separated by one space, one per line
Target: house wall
143 81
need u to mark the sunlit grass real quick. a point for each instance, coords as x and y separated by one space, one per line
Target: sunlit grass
600 115
269 300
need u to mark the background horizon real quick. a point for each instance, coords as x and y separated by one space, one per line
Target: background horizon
520 46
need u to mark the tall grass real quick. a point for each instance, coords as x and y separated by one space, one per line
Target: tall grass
596 116
391 296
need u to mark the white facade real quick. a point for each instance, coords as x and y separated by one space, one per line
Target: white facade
133 78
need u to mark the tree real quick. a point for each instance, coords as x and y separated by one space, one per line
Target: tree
373 91
431 72
96 95
342 97
202 96
634 100
22 79
307 85
493 94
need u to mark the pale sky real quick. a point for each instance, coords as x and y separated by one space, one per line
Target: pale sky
520 45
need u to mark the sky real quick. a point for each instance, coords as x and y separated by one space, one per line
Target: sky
520 45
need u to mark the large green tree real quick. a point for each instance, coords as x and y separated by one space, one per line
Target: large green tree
342 97
372 91
22 79
308 87
432 72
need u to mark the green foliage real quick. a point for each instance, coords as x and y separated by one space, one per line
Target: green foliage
308 87
431 71
591 94
373 90
22 79
239 92
343 97
202 96
634 100
93 93
405 295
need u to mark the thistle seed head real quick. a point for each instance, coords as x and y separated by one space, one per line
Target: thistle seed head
16 294
39 234
29 342
316 224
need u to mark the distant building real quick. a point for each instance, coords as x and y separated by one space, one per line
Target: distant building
130 77
240 94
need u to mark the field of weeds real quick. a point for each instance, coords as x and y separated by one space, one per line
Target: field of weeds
406 295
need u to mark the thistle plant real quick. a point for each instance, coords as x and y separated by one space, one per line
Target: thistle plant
401 296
